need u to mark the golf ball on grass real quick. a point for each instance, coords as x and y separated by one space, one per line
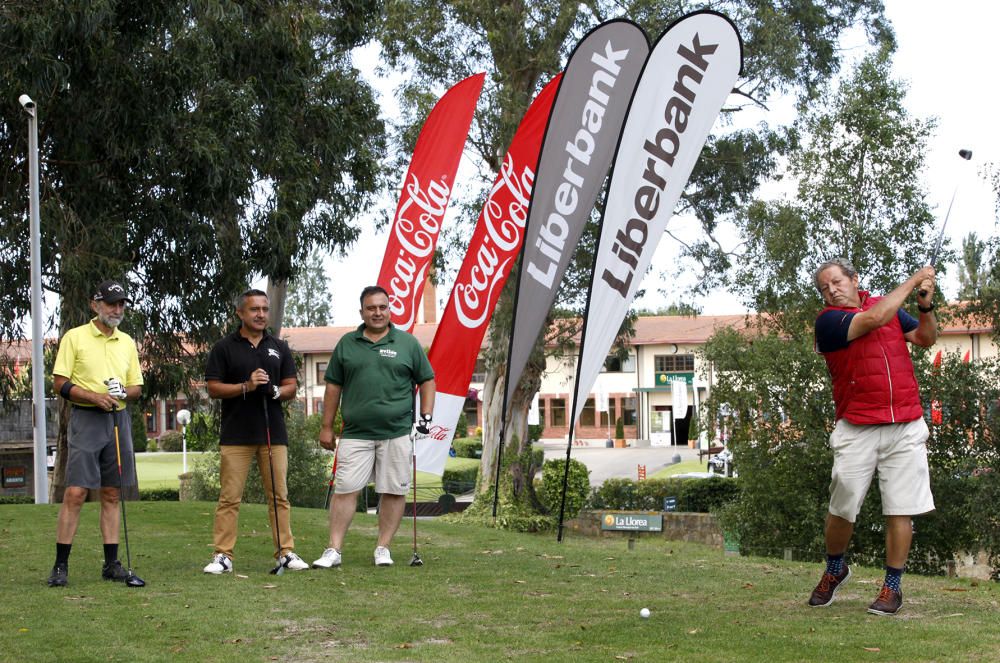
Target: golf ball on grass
644 613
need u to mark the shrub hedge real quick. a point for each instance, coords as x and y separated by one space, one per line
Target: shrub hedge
697 495
468 447
460 480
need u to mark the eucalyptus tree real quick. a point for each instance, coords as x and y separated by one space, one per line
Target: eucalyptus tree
184 148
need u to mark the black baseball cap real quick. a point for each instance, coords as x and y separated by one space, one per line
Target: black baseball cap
111 292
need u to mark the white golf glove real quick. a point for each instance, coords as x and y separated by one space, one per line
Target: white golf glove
115 389
424 424
275 392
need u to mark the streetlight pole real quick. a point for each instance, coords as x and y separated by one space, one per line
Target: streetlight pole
37 360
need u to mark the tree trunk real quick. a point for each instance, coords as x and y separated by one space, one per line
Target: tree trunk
277 291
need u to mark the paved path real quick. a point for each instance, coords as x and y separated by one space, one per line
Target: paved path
606 463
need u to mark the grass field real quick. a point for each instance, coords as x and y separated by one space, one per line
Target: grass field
482 595
160 470
680 468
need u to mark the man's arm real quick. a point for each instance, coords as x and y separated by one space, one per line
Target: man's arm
886 309
78 394
331 403
427 391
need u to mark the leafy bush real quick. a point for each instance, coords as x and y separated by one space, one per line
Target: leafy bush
535 432
151 445
308 467
459 480
695 495
160 495
619 429
468 447
139 439
577 486
172 441
462 427
17 499
203 431
777 393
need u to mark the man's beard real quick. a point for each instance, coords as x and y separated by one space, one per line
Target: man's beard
110 320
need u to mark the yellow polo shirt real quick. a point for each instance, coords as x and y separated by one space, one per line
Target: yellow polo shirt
87 358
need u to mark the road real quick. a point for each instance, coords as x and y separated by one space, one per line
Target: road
606 463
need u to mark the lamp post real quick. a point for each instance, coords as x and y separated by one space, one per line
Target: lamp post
37 361
184 418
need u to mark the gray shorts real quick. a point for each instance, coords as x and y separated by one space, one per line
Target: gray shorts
388 461
93 460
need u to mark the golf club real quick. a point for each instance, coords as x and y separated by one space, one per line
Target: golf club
280 568
932 259
131 580
415 560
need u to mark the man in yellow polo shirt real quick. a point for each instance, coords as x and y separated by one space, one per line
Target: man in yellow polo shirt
97 370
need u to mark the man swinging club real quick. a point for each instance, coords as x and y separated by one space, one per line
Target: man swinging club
880 423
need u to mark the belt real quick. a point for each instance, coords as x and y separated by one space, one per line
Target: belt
92 408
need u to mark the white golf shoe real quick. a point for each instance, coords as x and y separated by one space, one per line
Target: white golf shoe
292 562
219 564
329 558
382 556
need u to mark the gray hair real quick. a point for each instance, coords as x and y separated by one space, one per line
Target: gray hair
845 266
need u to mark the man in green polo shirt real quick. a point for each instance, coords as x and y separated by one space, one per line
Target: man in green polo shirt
97 370
370 378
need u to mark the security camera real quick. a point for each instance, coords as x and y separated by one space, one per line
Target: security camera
26 101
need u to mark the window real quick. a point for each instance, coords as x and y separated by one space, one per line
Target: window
318 405
628 411
151 418
587 414
673 363
614 364
320 373
557 412
171 408
479 373
471 409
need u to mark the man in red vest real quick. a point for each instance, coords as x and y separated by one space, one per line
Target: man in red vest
880 424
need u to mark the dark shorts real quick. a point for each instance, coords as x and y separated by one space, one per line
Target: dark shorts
93 459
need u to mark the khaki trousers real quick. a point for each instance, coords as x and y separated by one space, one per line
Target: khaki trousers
235 464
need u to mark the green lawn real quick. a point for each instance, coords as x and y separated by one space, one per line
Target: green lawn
680 468
160 470
482 595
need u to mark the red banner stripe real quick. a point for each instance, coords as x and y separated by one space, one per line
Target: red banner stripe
424 199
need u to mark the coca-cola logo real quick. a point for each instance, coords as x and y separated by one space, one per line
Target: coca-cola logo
417 225
504 216
436 432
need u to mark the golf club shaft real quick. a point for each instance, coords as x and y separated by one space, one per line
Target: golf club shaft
121 491
932 259
270 467
333 478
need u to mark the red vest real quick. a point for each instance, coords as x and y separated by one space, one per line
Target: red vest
873 380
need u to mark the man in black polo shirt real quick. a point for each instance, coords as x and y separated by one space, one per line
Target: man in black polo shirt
248 371
370 378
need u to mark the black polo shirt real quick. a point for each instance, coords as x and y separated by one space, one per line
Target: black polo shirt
231 361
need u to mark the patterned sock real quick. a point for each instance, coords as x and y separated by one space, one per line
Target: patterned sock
110 553
62 553
893 578
835 564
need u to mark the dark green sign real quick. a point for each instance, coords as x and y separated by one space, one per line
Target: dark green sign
632 522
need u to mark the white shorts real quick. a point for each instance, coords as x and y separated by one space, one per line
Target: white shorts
897 451
387 461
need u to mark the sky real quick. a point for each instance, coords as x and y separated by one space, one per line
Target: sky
941 55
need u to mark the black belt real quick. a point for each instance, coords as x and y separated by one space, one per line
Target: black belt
93 408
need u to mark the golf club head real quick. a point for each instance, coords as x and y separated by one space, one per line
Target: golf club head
278 570
416 561
134 581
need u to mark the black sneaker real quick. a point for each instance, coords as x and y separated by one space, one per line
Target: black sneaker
114 571
59 575
827 588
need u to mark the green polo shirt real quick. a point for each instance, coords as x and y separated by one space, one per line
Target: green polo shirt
377 381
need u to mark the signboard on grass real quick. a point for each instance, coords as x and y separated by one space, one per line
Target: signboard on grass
632 522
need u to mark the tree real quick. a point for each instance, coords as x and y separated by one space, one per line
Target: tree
525 44
309 295
183 148
973 268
